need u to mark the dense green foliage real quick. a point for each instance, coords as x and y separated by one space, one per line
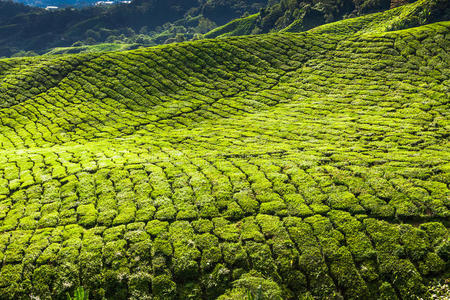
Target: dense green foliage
80 294
145 22
278 166
301 15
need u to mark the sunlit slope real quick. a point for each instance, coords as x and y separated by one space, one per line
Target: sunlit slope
304 164
415 14
418 13
115 94
240 26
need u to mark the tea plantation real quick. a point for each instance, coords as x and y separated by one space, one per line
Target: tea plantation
306 165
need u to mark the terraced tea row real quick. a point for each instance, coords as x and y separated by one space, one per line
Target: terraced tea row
305 164
173 81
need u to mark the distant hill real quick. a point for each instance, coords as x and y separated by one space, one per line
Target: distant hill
149 22
58 3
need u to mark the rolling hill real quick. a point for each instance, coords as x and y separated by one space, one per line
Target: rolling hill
147 22
309 165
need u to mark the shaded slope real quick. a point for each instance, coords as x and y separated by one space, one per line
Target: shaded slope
34 29
307 164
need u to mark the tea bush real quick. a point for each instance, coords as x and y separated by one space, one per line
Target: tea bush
313 165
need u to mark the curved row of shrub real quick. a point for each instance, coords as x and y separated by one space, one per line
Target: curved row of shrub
292 165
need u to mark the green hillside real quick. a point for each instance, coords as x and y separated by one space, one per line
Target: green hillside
237 27
93 48
308 165
418 13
